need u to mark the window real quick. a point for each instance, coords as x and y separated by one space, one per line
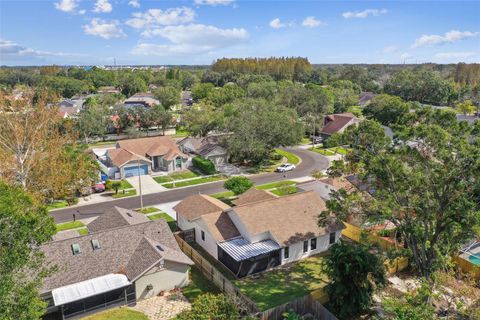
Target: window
305 246
76 249
286 252
203 235
313 244
178 162
95 244
332 238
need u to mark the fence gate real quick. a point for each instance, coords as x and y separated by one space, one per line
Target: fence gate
189 235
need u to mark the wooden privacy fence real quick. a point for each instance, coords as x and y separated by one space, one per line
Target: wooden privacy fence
467 267
216 277
302 306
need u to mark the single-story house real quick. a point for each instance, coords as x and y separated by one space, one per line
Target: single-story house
141 156
108 90
141 98
253 195
365 98
337 123
207 147
259 235
122 260
325 186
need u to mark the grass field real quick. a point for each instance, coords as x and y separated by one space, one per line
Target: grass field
193 182
69 225
118 314
291 158
283 284
198 285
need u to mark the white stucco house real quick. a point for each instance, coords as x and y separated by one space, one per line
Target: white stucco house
260 233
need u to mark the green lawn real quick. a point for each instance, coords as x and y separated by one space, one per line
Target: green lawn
282 284
274 184
83 231
199 284
291 158
118 314
306 140
101 144
148 210
225 194
123 193
166 217
324 152
69 225
187 174
192 182
124 185
57 205
356 110
180 134
280 193
340 150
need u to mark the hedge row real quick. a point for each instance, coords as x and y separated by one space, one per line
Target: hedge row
204 165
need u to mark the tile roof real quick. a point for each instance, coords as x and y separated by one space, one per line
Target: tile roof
152 146
195 206
253 195
116 217
220 226
123 250
336 122
120 157
289 219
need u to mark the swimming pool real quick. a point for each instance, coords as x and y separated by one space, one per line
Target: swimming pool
475 259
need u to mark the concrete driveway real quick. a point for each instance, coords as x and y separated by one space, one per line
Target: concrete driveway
148 184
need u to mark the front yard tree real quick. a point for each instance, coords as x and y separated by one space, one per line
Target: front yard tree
426 185
386 109
168 96
201 118
354 273
92 122
238 185
24 227
259 126
37 152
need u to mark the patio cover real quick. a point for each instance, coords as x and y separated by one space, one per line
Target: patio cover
88 288
241 249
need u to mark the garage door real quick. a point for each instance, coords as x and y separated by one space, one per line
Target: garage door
134 171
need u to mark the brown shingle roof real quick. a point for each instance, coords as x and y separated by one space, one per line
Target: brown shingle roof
195 206
339 183
220 226
116 217
336 122
118 246
253 195
119 157
151 146
289 219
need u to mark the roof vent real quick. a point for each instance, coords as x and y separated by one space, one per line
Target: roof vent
159 248
76 249
95 244
129 214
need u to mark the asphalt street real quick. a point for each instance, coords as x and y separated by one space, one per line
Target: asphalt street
310 161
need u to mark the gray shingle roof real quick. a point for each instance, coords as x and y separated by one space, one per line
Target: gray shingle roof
123 250
116 217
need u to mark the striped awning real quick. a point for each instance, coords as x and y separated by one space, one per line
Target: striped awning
241 249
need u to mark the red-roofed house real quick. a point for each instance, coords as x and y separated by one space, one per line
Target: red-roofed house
337 123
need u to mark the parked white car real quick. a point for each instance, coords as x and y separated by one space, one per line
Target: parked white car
286 167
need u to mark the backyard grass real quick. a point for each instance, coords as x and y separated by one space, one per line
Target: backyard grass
166 217
282 284
325 152
199 284
123 193
69 225
148 210
274 185
57 205
291 158
187 174
118 314
192 182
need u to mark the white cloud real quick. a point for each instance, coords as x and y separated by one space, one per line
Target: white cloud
364 14
213 2
453 55
158 17
134 3
277 24
188 39
82 12
10 49
103 6
66 5
104 29
390 49
449 37
312 22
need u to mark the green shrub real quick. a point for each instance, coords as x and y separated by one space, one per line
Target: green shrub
210 306
238 185
334 140
204 165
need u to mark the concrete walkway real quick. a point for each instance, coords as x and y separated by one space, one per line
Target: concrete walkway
168 208
149 185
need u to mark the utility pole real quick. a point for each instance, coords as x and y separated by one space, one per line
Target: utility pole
140 185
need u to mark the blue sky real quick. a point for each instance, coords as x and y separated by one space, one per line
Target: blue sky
95 32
